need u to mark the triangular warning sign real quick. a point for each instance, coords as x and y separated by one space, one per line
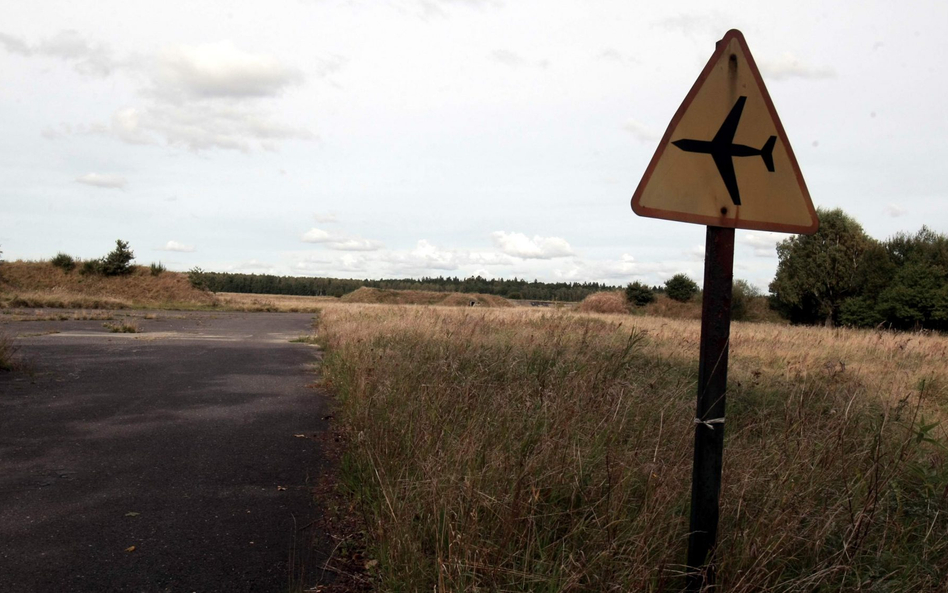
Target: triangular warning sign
725 160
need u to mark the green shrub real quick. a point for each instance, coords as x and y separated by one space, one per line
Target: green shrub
742 295
118 261
639 294
157 269
197 279
90 267
681 288
64 261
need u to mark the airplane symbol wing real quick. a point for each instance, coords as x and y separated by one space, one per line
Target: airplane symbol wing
725 167
725 135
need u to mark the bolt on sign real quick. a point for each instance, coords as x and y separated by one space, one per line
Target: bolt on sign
724 162
725 159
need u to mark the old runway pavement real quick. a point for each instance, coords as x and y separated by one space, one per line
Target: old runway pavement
166 460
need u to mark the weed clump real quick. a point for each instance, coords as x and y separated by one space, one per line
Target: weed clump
123 327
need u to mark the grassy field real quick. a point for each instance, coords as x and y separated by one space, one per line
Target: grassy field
516 450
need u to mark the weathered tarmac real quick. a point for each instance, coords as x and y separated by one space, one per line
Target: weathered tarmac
166 460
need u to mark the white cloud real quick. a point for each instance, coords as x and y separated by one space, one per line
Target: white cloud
506 57
763 243
87 58
789 66
355 245
710 23
696 253
254 264
340 242
175 246
221 70
519 245
200 126
325 218
640 132
99 180
315 235
895 211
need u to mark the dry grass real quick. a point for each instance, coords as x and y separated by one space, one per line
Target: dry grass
272 302
421 297
524 450
40 284
123 327
605 302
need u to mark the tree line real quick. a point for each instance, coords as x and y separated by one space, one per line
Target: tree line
840 275
336 287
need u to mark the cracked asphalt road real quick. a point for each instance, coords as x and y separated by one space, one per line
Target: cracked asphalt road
178 441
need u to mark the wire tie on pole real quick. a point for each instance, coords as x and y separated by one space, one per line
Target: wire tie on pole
709 423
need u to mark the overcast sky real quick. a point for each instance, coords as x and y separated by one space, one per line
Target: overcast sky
410 138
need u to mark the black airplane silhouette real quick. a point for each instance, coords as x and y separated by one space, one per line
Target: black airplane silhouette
723 150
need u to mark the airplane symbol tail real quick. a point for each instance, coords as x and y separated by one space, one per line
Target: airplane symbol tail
767 153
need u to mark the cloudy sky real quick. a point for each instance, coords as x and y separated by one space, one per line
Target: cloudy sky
405 138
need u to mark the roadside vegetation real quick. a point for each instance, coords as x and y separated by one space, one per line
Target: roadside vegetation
7 353
517 449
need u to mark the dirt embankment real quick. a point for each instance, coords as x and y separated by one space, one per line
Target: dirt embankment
40 284
422 297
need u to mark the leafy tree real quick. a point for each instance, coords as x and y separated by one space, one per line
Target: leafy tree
639 294
817 273
118 261
681 288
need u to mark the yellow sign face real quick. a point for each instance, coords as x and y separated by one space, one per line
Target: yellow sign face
725 160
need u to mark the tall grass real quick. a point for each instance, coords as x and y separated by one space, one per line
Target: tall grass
519 450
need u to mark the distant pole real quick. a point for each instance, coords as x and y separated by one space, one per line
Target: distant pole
709 418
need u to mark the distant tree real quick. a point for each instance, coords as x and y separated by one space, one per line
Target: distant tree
817 273
118 262
681 288
639 294
742 295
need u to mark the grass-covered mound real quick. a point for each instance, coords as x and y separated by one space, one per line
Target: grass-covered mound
41 284
605 302
423 297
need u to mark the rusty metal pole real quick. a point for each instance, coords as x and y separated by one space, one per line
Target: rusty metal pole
709 419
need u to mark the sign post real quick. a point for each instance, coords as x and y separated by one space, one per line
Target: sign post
706 171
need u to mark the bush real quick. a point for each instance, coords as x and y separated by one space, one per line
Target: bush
157 269
681 288
64 262
742 295
118 261
91 266
639 294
